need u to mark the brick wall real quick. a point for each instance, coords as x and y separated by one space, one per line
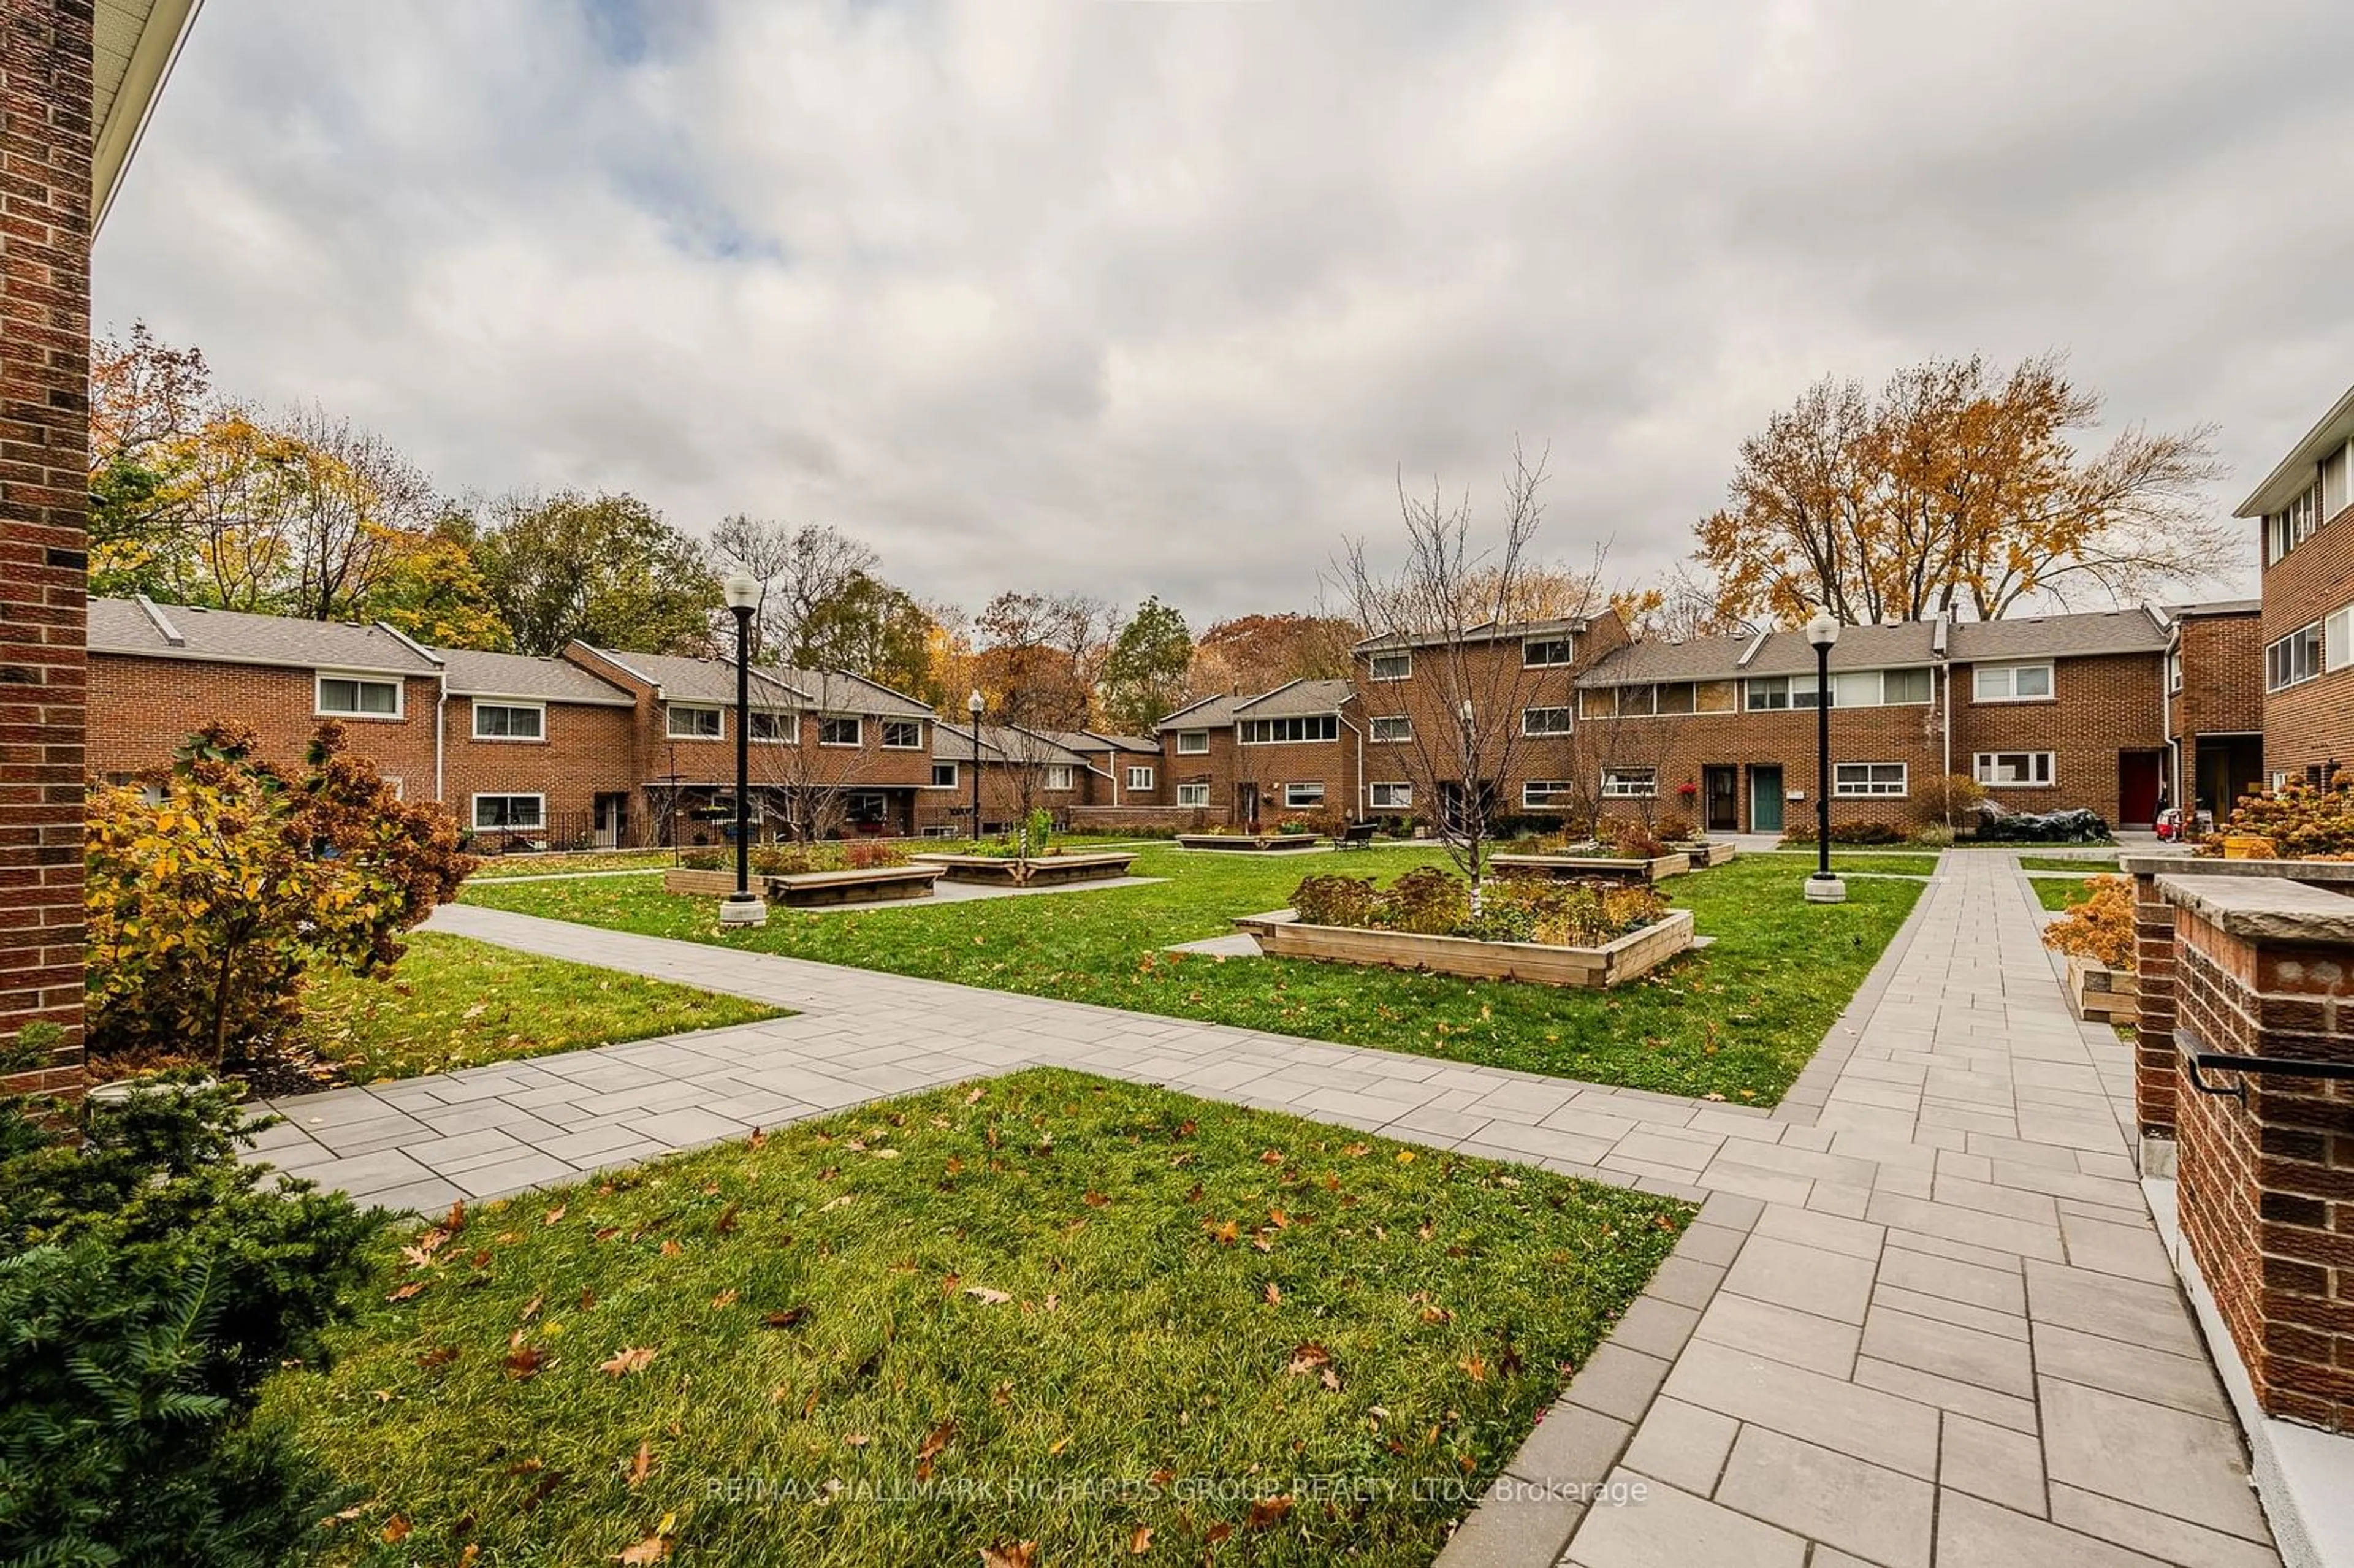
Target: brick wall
2310 724
2155 1067
2100 707
2266 1188
141 709
586 753
45 141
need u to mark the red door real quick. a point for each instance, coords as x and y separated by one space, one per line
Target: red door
2137 776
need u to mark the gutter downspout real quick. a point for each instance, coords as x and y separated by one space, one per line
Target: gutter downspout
441 728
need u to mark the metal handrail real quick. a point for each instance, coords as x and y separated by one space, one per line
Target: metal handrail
2197 1061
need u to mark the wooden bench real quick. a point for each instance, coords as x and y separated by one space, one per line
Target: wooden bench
1357 835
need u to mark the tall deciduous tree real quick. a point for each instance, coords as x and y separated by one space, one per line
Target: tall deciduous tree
1259 652
800 567
605 570
1960 487
869 628
1144 676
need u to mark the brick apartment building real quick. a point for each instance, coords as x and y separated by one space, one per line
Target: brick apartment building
2305 516
1296 752
2216 705
1071 774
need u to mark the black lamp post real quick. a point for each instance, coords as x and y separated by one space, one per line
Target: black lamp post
1822 887
743 906
973 705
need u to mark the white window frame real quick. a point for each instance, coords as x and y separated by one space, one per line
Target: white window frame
1400 658
1390 795
857 731
482 704
2338 639
670 721
1985 765
1928 693
1193 743
1298 796
1192 794
1302 738
474 811
1139 777
1630 783
1983 690
954 774
1562 640
2174 669
1390 728
792 727
1791 688
1539 794
393 781
1870 786
915 745
1568 725
1057 778
319 679
2294 659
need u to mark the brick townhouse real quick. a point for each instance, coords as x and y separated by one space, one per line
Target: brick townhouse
2048 712
2305 516
1296 751
2216 705
593 746
1057 778
1518 677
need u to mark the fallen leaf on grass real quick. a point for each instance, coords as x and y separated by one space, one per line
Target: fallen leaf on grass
531 1308
987 1297
1274 1294
1024 1555
724 1298
642 1464
784 1319
396 1530
726 1220
406 1291
553 1214
523 1361
634 1359
672 1249
1227 1233
439 1356
857 1440
1141 1542
1267 1513
939 1439
1308 1357
653 1549
1475 1368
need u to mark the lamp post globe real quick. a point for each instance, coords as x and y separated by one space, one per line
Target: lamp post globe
1822 633
743 906
974 706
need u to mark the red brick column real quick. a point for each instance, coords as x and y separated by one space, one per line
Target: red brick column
2153 978
45 196
2265 1193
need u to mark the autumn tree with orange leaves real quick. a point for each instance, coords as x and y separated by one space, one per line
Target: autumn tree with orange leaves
1960 487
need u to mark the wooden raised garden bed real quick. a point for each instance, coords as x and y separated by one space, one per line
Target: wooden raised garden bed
2112 996
1712 853
1250 842
1281 934
1586 866
812 889
1038 870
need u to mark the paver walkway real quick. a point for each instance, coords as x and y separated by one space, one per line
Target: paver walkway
1926 1319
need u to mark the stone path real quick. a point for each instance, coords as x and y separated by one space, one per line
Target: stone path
1924 1319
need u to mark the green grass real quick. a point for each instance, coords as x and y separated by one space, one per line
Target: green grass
2090 866
454 1003
2059 892
504 867
816 1316
1886 863
1739 1019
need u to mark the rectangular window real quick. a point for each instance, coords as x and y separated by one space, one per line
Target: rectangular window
840 732
354 697
1303 797
944 775
1193 743
2010 683
1851 780
1716 696
1391 797
1539 793
775 729
1390 666
2338 639
1290 731
1192 794
1675 697
1774 692
1058 776
1898 686
2174 669
1543 653
2294 659
693 723
1638 702
2014 770
1139 778
1544 721
509 721
1630 783
903 735
1393 727
510 812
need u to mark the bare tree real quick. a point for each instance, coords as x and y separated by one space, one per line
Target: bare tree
1452 605
358 507
793 760
800 567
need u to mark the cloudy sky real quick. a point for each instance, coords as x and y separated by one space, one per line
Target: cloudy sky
1139 298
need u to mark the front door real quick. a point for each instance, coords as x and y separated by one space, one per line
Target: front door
1766 799
1247 806
1722 786
612 820
2137 776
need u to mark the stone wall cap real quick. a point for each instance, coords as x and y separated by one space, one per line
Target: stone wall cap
2268 909
2331 870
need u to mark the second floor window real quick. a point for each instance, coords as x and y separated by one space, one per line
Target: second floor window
355 697
774 728
693 723
1393 727
903 735
1390 666
2011 683
840 732
1192 742
2294 659
1289 731
1543 652
1544 721
944 775
1139 778
509 721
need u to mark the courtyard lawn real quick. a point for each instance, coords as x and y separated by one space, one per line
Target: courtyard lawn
454 1002
1738 1020
2091 865
1886 863
888 1337
502 867
2061 891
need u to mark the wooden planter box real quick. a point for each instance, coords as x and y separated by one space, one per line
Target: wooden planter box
1249 844
812 889
1582 865
2093 992
1280 935
1703 855
1039 871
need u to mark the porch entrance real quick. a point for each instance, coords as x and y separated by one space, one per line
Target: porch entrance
2138 773
1765 797
1721 787
611 822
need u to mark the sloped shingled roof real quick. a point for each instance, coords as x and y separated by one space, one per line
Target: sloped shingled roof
1206 713
684 678
229 636
474 674
1297 700
1000 743
2058 636
1909 644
